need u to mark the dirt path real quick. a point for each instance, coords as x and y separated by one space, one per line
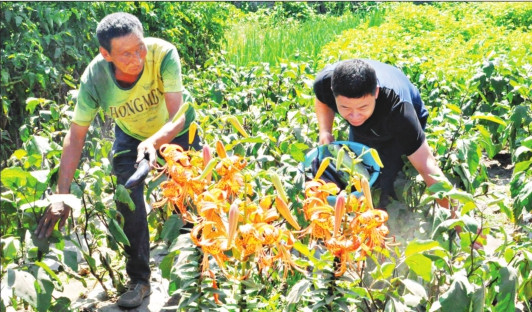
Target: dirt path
94 297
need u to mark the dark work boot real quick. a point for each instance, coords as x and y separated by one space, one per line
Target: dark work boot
135 294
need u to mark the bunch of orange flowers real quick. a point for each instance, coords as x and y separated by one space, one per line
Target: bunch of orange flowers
350 229
214 194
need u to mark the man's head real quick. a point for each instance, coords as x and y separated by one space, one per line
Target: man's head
354 85
117 25
121 41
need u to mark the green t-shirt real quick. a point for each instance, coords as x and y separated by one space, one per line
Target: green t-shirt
139 110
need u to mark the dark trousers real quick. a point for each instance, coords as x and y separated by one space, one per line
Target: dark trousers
135 222
390 154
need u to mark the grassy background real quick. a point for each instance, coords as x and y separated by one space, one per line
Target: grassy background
259 39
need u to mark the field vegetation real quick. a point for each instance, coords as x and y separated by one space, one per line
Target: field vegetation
253 94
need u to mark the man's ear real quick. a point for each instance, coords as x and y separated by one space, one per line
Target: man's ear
377 92
106 55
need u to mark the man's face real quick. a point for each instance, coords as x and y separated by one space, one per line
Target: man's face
356 110
128 54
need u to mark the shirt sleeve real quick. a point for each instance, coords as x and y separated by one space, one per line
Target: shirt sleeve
171 72
322 89
406 127
86 107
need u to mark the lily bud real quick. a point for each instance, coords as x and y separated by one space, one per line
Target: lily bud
278 186
207 156
220 149
234 121
282 207
192 132
234 213
367 192
324 164
339 212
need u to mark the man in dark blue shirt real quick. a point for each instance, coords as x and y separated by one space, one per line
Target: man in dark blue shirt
384 111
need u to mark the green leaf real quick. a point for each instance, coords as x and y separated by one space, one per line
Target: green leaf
492 118
61 304
49 271
395 305
297 291
18 154
11 247
45 288
167 263
297 151
473 155
479 297
171 228
24 133
15 178
38 145
189 300
527 142
441 186
32 103
43 244
507 289
387 269
526 289
523 166
418 246
22 285
117 232
486 141
421 265
468 206
461 196
415 288
154 185
122 195
454 108
457 298
70 258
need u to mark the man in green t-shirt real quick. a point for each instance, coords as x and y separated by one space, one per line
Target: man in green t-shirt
137 81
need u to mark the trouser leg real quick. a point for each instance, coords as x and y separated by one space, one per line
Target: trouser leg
135 221
393 163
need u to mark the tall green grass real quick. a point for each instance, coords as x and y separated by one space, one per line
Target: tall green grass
257 41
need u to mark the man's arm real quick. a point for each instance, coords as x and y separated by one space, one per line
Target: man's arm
325 117
167 133
426 165
72 147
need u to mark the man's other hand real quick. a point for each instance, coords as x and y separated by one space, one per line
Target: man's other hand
58 211
325 138
147 147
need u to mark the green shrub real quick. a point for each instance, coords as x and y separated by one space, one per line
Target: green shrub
46 46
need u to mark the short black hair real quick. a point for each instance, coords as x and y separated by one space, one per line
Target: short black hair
353 79
117 25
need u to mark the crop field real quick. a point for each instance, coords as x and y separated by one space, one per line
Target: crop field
260 234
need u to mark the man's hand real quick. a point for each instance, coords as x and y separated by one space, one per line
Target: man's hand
58 211
147 147
325 138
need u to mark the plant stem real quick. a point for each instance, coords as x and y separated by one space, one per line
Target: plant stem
241 301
